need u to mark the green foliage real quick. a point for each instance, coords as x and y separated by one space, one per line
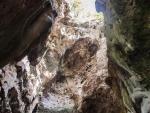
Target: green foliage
99 16
76 5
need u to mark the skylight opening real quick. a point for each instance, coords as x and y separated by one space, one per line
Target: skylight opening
85 10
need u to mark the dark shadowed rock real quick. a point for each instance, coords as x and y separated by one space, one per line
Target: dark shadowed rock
23 24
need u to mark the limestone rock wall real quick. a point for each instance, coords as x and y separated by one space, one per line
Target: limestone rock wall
24 28
73 69
19 23
19 88
127 31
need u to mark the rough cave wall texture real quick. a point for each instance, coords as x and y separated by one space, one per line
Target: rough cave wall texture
127 31
127 28
19 23
24 26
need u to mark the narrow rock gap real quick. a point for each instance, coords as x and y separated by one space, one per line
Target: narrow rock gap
74 56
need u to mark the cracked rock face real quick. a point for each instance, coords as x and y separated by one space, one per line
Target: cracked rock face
18 88
77 57
67 64
67 73
24 28
127 35
79 82
23 25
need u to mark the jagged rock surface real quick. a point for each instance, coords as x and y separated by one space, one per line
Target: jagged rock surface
70 72
127 32
24 26
19 88
81 69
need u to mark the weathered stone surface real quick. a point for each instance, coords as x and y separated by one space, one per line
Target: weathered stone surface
71 72
78 56
18 88
24 28
127 32
23 23
82 72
